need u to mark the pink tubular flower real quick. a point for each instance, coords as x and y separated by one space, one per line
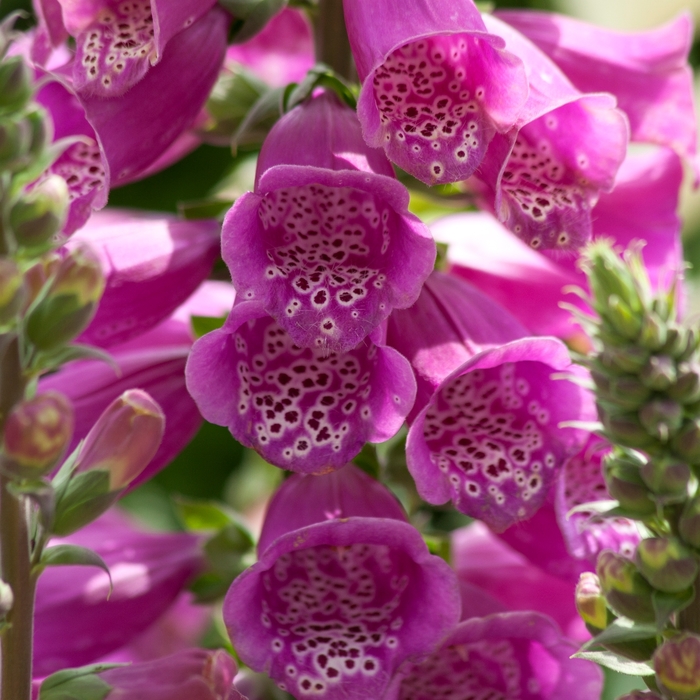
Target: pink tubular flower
339 597
436 85
154 361
325 242
281 53
78 621
302 409
486 433
517 655
151 265
530 284
545 175
647 71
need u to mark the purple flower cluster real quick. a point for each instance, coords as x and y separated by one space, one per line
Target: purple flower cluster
341 332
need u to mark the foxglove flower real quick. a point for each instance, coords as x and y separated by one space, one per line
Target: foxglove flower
154 361
546 174
325 242
530 284
436 85
302 409
339 597
78 621
151 265
647 71
485 433
281 53
485 563
512 656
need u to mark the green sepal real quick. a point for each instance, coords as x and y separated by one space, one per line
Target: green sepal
72 555
251 16
77 684
201 325
42 494
320 75
622 630
615 662
83 499
665 604
49 360
261 117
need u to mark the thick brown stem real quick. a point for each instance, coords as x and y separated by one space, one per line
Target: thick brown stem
331 37
16 571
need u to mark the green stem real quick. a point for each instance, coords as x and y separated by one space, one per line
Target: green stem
689 619
16 571
331 39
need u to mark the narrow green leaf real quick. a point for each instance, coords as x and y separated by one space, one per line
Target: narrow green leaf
77 684
72 555
616 662
622 630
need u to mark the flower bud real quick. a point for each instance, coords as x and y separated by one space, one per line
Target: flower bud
15 85
659 373
666 478
686 442
624 587
625 483
662 418
666 564
625 359
626 429
41 213
70 303
609 276
686 388
12 290
13 142
625 322
627 392
677 666
653 334
689 523
590 601
124 438
36 434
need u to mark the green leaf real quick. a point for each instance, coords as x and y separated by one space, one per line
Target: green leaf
201 325
254 13
260 119
203 208
616 662
77 684
320 75
622 630
72 555
51 360
227 548
204 516
665 604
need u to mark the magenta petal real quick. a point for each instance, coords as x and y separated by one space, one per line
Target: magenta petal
647 71
281 53
331 610
301 409
303 500
436 85
507 655
136 128
151 264
77 620
490 438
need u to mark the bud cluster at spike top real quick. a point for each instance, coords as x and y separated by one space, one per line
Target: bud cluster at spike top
343 326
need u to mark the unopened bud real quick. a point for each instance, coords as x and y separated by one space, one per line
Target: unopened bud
687 344
659 373
686 388
12 290
15 85
124 438
665 478
653 334
686 442
36 434
628 359
626 591
40 215
70 303
628 392
609 276
677 666
666 564
689 523
590 601
625 322
624 481
626 429
662 418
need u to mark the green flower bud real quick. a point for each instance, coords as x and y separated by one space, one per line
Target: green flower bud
624 481
666 564
686 442
626 429
13 143
659 373
677 666
70 303
687 344
666 478
12 290
590 601
609 276
625 589
628 392
662 418
628 359
36 434
686 388
653 334
15 85
689 523
40 215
